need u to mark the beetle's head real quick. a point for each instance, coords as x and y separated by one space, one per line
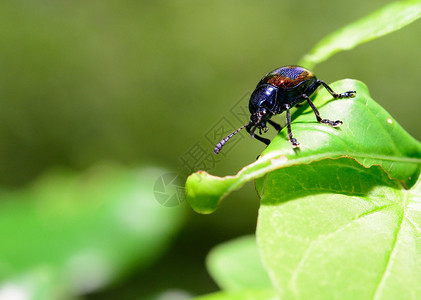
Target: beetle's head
262 105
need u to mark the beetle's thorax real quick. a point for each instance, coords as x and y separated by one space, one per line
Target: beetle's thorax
262 104
263 97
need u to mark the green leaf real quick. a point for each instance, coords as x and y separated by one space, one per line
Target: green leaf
390 18
89 229
236 265
369 135
337 230
39 284
248 294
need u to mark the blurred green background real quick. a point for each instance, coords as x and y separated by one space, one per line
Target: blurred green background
139 84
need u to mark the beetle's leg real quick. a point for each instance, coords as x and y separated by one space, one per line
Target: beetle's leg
293 141
266 129
257 137
348 94
275 125
316 112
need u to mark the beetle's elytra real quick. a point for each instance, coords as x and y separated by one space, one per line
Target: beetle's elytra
277 92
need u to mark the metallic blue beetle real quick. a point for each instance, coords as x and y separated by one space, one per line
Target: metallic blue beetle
279 91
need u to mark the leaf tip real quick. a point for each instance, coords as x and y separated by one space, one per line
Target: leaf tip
205 191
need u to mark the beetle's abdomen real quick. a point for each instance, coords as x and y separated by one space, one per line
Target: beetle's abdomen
287 77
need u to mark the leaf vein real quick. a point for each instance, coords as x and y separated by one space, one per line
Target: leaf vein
411 222
320 238
389 258
375 210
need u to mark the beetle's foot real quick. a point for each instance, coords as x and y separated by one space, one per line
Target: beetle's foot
332 123
349 94
266 129
294 143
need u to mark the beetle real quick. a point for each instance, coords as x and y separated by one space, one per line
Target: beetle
279 91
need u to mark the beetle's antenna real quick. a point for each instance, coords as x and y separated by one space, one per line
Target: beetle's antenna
221 144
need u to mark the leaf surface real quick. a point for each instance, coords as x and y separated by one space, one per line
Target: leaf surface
247 294
387 19
348 233
236 265
87 229
369 136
